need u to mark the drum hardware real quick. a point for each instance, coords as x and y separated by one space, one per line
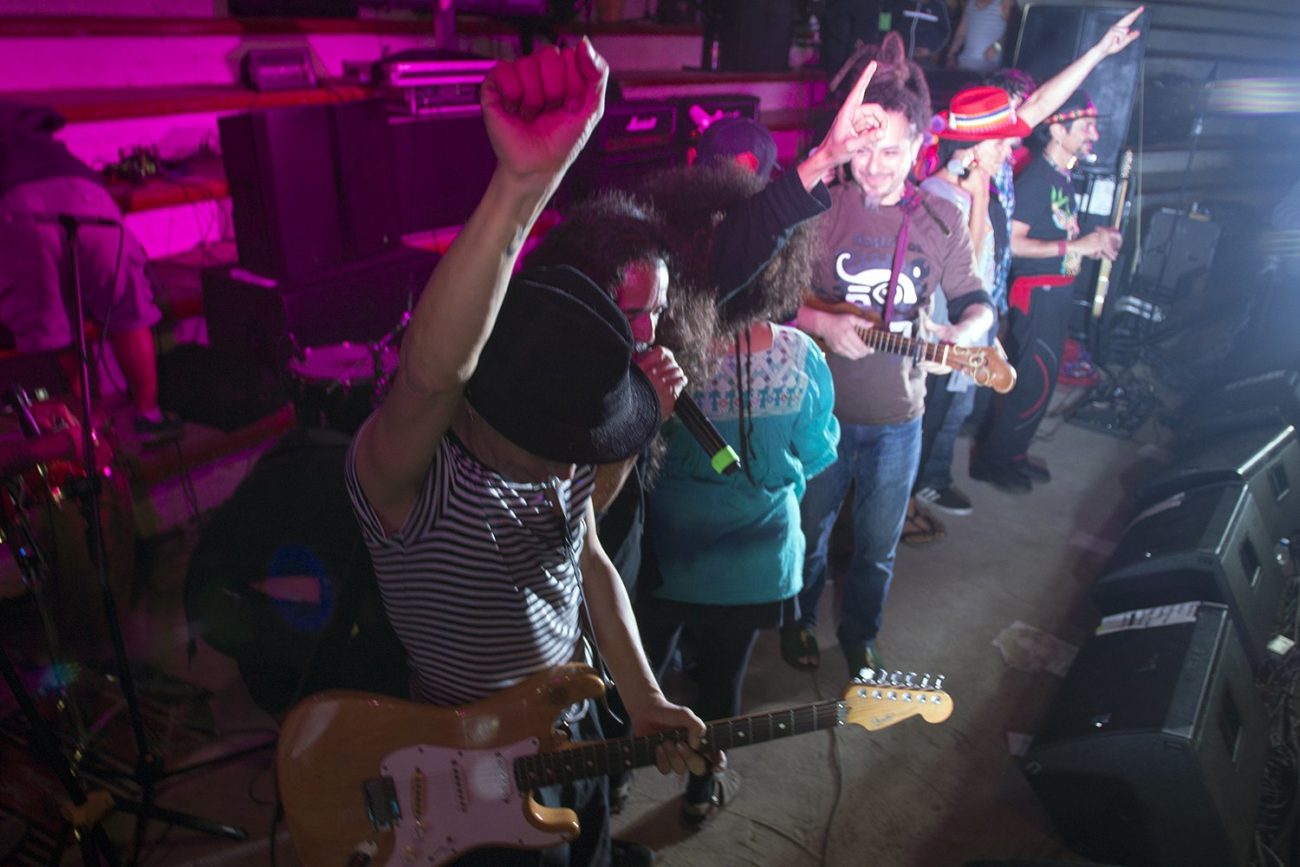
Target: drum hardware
337 386
149 768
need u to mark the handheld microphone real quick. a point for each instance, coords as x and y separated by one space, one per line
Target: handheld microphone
722 456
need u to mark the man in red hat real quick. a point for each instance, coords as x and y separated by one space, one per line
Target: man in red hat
975 139
1047 247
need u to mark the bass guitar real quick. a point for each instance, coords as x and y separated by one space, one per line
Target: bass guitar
1117 223
368 779
987 365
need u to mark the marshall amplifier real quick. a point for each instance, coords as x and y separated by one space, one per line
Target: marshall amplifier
1153 752
695 113
1266 458
1208 544
635 138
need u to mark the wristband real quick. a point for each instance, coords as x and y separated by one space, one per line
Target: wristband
1060 248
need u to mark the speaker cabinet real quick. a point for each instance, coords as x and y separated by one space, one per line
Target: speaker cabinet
1208 544
444 162
754 35
1052 36
283 194
635 138
366 178
1176 249
1265 458
1262 399
265 321
1153 752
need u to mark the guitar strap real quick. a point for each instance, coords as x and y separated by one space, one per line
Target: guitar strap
910 198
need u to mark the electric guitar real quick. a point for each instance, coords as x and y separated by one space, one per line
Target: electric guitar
392 782
1117 223
987 365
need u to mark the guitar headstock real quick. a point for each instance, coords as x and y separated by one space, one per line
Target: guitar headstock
1126 164
878 699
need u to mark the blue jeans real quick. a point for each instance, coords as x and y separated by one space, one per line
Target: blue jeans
881 462
945 411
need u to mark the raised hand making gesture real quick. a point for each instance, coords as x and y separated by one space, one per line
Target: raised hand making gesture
856 124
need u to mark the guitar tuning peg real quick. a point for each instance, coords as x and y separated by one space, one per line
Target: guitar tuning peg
910 680
938 681
895 678
868 675
925 681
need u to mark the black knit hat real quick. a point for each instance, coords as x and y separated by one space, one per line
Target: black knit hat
556 376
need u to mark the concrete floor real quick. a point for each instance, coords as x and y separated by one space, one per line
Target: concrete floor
912 795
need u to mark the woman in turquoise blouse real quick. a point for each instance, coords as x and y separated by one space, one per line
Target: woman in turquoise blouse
725 552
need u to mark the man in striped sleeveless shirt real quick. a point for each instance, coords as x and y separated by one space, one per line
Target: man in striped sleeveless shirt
473 480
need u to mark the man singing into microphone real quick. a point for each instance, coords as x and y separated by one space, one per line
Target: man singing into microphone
40 181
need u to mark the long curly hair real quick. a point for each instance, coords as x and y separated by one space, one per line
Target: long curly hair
695 199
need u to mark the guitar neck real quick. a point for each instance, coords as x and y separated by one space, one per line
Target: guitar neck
601 758
896 344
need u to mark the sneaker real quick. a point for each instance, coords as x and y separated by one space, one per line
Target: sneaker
949 499
1004 477
1034 469
155 433
620 789
707 796
624 853
863 656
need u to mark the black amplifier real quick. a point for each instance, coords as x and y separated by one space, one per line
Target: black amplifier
635 124
695 113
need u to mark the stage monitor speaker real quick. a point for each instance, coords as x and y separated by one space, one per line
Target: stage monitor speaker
283 193
1265 458
1208 544
444 162
1267 398
1052 36
266 322
366 178
1153 752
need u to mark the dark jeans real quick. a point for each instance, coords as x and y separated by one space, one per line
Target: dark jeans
1034 342
880 461
721 646
588 798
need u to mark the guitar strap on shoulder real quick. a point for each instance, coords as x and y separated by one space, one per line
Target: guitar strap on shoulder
910 198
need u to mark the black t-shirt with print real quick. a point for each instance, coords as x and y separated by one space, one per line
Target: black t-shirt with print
1045 203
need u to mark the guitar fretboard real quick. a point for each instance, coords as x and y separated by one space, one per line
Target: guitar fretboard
599 758
896 344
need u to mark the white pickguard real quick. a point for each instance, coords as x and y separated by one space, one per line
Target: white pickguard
469 800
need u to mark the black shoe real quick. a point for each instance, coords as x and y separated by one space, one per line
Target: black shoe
1034 469
1004 477
155 433
948 499
623 853
860 656
708 795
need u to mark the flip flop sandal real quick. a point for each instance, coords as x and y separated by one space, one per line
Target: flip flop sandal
921 528
799 649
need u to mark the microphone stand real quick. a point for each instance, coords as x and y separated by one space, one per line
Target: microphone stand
149 768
